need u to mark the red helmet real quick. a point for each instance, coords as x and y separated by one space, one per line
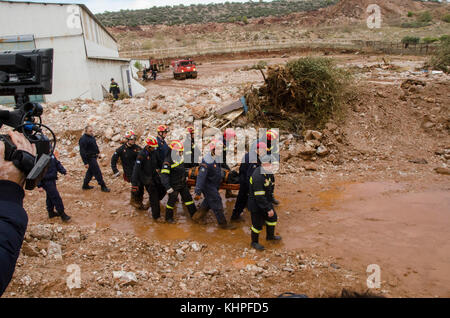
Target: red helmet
190 129
229 133
176 145
271 134
130 135
162 128
214 143
261 145
151 141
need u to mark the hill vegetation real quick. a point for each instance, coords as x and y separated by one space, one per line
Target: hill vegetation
204 13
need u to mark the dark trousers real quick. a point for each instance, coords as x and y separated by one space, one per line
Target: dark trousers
53 198
213 201
241 200
154 196
259 218
93 171
185 196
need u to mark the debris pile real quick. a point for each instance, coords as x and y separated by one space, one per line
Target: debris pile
303 93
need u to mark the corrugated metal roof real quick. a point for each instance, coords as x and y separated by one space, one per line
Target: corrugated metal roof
85 8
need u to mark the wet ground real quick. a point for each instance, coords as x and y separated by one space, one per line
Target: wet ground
400 226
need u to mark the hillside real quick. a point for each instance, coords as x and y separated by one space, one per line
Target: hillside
221 12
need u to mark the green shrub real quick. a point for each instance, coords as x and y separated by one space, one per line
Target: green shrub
444 37
138 65
441 59
429 40
415 24
410 40
424 17
446 18
410 14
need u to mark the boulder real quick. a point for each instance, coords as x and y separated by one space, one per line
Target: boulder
109 132
313 135
41 231
103 108
442 170
322 151
306 150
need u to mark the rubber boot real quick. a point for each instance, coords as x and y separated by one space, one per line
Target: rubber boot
87 187
275 201
270 231
255 244
191 209
105 189
169 216
64 216
227 226
52 214
236 217
230 194
199 216
136 204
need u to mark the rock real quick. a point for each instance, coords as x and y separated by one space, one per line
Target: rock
179 102
109 132
125 278
116 138
288 269
28 250
411 82
313 143
103 109
154 105
313 135
41 231
306 150
442 170
54 251
335 266
199 112
419 161
196 247
212 271
84 108
311 166
322 151
113 212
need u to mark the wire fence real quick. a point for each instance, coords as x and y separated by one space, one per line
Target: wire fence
237 47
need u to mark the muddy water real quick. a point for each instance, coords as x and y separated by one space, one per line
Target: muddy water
406 233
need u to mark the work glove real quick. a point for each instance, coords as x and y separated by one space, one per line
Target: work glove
115 175
170 191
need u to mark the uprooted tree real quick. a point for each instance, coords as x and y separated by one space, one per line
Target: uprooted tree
304 93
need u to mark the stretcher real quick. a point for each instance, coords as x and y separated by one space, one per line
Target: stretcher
229 176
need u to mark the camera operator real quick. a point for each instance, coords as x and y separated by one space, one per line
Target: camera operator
13 218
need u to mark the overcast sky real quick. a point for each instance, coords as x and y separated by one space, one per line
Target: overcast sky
99 6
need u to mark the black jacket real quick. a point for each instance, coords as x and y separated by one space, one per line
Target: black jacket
13 224
114 88
191 153
173 174
248 166
209 175
88 148
163 149
53 168
260 191
144 171
127 156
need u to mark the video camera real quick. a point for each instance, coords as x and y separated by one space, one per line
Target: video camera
24 73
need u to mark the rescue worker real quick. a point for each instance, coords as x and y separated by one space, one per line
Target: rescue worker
173 177
145 175
163 148
228 136
272 149
114 89
127 153
89 153
250 162
191 152
48 183
144 75
208 182
260 203
154 72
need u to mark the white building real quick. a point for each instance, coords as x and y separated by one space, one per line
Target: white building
86 55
